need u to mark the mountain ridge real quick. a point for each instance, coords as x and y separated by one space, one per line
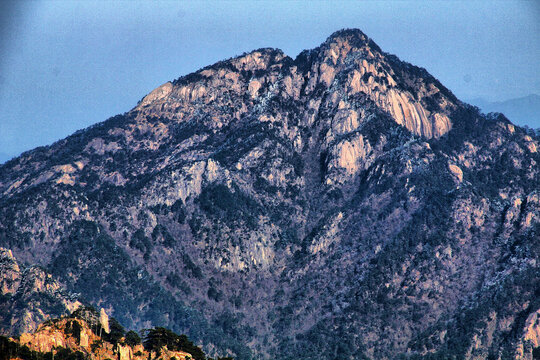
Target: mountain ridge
341 203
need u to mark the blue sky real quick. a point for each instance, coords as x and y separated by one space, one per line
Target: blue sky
65 65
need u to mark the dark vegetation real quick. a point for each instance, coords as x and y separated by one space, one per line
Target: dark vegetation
220 202
156 338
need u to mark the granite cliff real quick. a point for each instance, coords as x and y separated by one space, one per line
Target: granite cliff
85 335
341 205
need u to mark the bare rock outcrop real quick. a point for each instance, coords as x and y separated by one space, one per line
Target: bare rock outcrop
30 296
530 338
104 321
76 336
11 273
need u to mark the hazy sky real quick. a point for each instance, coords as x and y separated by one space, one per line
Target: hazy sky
67 65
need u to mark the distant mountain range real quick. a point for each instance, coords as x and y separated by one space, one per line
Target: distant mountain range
343 204
521 111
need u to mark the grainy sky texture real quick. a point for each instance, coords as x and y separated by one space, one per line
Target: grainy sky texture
65 65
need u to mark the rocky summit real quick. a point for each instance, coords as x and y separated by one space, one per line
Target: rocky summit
340 205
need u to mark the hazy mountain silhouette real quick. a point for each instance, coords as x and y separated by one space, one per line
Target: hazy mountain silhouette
522 111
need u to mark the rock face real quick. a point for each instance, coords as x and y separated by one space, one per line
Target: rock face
29 296
343 204
11 273
530 338
104 321
77 337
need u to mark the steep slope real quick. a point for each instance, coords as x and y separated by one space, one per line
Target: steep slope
343 204
29 296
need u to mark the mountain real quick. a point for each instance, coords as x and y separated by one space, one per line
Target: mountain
340 205
522 111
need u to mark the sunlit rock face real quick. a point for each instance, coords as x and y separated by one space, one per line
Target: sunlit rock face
348 63
340 202
77 338
369 71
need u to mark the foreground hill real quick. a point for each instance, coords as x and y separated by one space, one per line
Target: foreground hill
340 205
87 335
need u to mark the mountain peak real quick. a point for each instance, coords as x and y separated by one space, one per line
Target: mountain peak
348 60
259 59
354 34
353 37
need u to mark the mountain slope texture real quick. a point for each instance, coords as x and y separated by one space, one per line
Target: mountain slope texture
340 205
29 296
